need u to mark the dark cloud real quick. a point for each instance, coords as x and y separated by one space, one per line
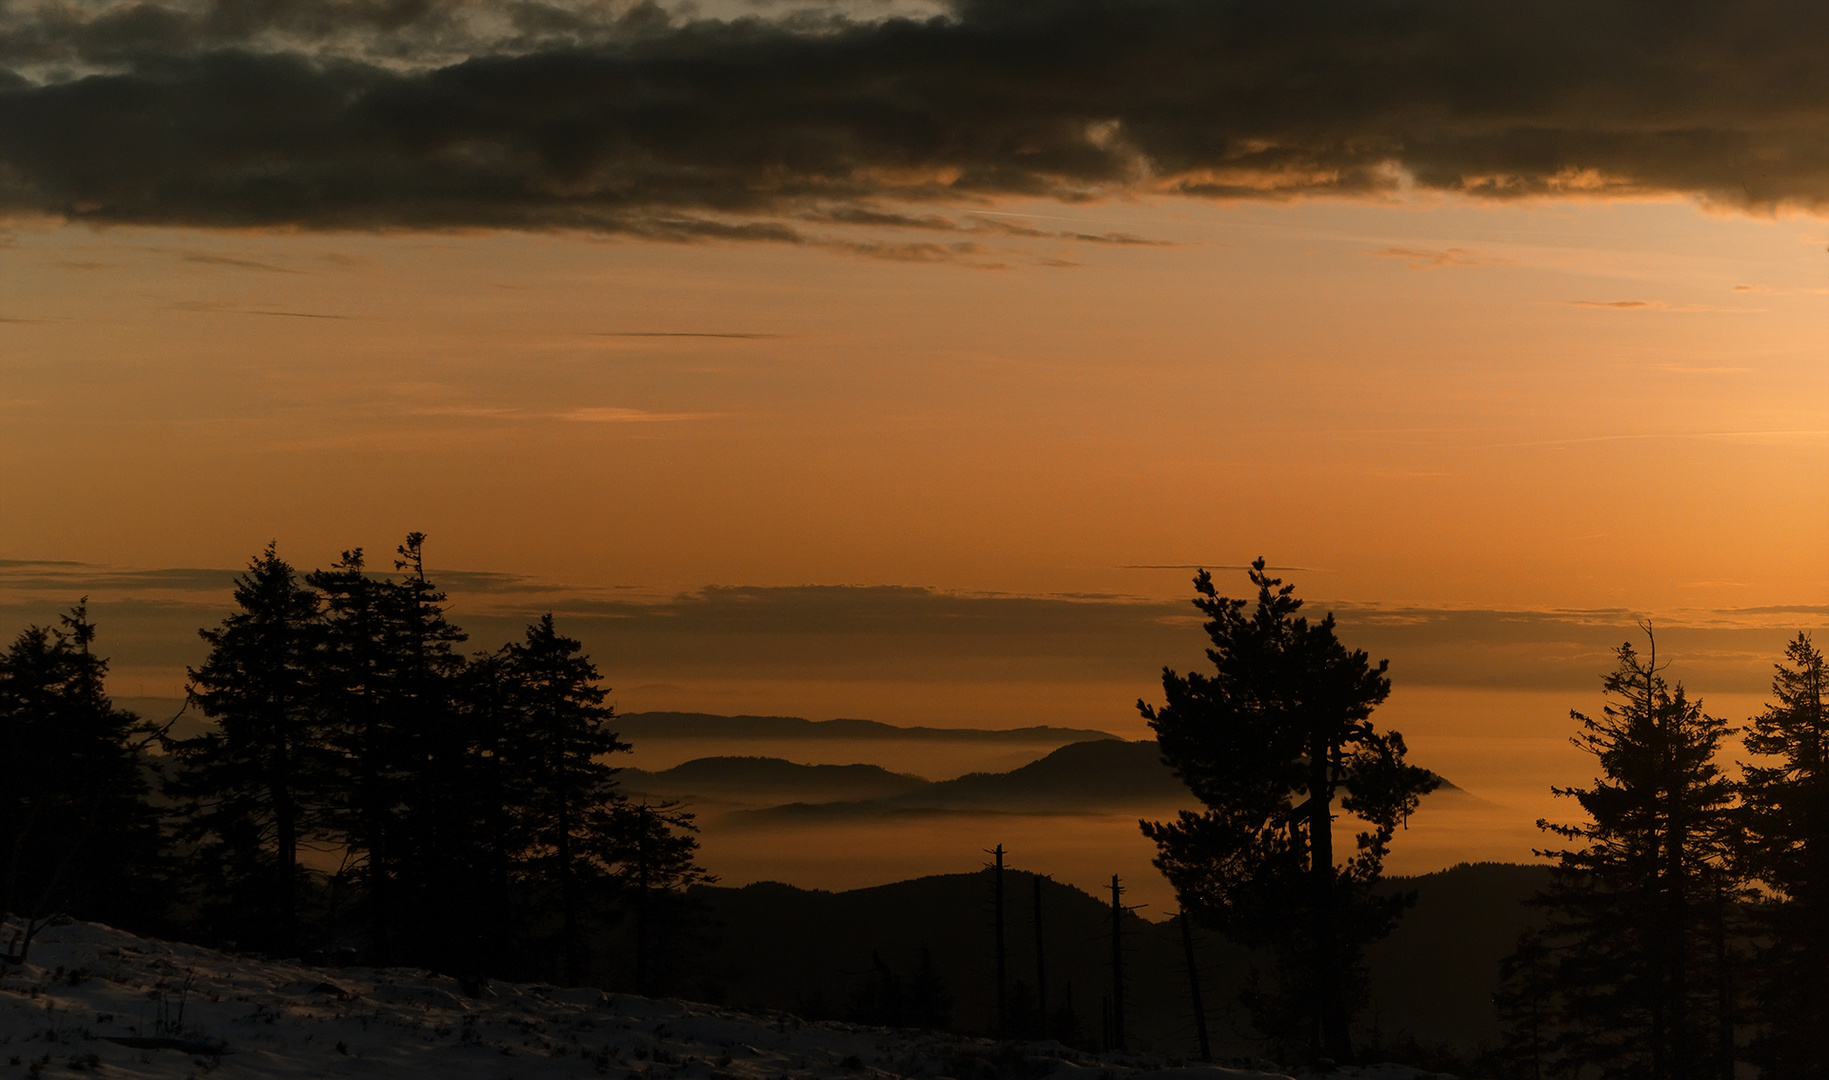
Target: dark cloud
858 215
392 114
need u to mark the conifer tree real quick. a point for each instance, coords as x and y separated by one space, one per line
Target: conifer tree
437 819
568 815
78 833
355 676
1787 802
1525 1000
490 939
388 683
1269 743
656 863
249 789
1633 899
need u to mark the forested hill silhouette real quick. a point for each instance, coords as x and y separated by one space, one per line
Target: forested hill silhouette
1095 775
689 725
754 779
879 954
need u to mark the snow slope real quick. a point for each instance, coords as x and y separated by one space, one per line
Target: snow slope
98 1001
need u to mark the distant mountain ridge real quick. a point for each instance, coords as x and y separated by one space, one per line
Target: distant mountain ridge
1084 777
689 725
739 778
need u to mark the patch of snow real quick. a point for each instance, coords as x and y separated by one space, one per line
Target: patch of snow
97 1000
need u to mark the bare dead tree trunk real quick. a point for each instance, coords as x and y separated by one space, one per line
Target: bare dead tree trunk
1041 970
1200 1009
1003 1018
1117 965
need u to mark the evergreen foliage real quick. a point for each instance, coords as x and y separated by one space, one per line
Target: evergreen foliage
562 800
78 832
469 801
356 676
1269 743
1525 1002
434 819
1787 804
655 868
476 811
248 790
1637 905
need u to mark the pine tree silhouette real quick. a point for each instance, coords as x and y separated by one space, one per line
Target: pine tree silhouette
1269 743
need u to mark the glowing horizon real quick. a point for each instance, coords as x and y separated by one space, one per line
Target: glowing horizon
1503 325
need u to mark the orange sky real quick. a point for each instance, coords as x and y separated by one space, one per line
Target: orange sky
1431 400
1417 431
1415 398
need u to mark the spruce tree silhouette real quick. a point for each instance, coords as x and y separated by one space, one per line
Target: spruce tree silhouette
1268 743
436 817
564 798
249 790
354 677
78 833
655 865
1787 802
1633 903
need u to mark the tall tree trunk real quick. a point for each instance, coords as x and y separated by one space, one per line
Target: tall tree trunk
568 874
1724 990
1041 969
285 827
1200 1008
1117 965
1003 996
1328 992
644 980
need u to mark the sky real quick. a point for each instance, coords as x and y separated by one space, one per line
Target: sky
903 360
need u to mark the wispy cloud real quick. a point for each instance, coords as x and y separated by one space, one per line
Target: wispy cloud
683 334
232 309
64 577
1433 259
1693 369
596 414
1218 566
1747 435
964 252
234 263
1659 305
582 414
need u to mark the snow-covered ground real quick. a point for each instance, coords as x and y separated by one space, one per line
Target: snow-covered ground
95 1000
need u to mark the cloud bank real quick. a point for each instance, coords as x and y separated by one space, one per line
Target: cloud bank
410 114
892 633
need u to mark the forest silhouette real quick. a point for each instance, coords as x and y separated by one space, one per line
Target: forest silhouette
361 790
